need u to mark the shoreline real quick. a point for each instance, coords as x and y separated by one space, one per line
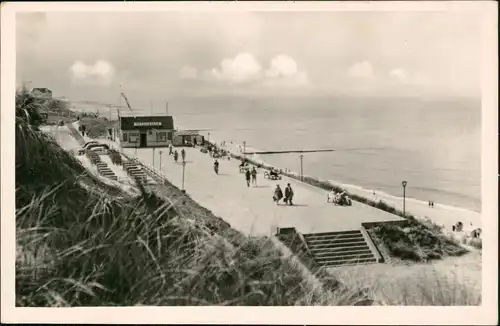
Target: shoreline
443 215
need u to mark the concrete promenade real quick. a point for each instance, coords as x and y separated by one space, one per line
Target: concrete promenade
251 209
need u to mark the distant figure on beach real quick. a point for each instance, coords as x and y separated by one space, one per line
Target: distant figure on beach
195 142
170 151
176 156
183 154
254 176
278 194
247 177
216 167
289 194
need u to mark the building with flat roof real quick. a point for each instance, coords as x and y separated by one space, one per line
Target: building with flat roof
188 138
146 131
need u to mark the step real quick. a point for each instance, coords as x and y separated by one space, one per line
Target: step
137 173
332 233
339 255
351 259
335 239
333 236
321 251
335 244
347 262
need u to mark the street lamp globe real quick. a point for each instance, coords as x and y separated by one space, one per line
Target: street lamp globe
404 183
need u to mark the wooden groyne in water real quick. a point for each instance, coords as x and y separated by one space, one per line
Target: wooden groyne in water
290 151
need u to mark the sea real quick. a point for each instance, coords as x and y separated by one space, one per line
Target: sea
433 144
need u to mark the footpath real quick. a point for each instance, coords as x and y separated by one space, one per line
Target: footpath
251 209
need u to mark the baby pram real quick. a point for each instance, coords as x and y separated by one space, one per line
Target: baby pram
272 175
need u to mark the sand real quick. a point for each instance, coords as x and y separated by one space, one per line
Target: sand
440 214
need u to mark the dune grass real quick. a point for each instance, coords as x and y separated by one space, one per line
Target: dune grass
415 242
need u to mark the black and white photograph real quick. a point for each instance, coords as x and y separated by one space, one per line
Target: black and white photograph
211 155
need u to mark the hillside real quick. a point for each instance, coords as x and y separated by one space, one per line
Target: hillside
81 242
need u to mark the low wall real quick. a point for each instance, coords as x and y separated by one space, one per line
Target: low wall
369 225
373 247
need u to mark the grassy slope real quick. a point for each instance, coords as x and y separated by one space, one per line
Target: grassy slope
81 242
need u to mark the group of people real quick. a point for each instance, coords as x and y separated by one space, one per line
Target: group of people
431 203
173 152
340 198
251 174
287 198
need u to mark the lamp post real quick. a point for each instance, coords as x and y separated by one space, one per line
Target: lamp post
183 172
404 183
153 157
301 168
161 152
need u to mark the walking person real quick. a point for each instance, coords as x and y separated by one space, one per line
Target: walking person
176 156
247 177
254 176
183 154
170 151
278 194
289 195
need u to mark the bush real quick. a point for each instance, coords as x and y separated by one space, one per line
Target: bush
416 242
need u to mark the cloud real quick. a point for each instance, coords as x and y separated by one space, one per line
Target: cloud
244 68
400 75
188 72
361 70
404 77
282 66
101 72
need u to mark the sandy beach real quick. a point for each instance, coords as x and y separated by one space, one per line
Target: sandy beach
442 215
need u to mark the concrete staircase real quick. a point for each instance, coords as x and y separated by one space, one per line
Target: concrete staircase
136 172
339 248
102 167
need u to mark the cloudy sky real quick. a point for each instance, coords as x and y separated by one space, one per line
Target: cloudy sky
168 54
